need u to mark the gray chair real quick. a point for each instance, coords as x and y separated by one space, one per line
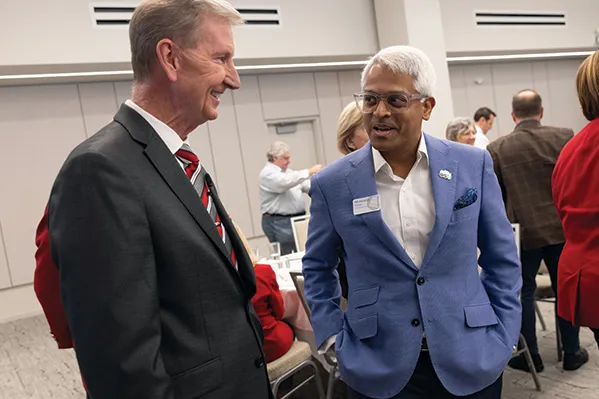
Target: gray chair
298 358
298 282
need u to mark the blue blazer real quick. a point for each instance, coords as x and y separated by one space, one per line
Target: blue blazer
471 321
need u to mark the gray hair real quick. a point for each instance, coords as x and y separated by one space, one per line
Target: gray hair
458 126
405 59
276 150
178 20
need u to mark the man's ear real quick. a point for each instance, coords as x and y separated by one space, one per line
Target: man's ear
168 58
428 105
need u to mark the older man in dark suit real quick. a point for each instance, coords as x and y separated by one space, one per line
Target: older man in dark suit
524 162
155 282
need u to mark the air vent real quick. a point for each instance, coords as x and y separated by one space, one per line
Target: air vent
119 15
520 19
112 16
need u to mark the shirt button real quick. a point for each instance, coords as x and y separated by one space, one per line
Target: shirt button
408 223
420 281
413 256
415 322
404 189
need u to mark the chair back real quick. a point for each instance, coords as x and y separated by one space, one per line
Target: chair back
298 282
299 225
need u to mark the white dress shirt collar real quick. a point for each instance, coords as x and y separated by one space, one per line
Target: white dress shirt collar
169 136
379 161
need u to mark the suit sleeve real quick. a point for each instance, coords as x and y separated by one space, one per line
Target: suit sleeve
275 298
101 242
502 274
319 264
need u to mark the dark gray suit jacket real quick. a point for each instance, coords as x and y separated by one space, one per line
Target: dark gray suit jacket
524 162
156 308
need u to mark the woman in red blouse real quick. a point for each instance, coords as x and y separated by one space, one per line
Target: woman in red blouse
268 302
576 196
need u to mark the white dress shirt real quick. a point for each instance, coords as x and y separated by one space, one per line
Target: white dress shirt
480 140
169 136
281 190
407 207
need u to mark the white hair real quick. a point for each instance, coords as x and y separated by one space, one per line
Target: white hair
458 126
277 150
405 59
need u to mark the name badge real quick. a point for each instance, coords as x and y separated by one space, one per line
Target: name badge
367 204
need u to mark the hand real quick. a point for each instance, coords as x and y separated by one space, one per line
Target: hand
315 169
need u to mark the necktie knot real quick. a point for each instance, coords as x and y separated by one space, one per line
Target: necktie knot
186 155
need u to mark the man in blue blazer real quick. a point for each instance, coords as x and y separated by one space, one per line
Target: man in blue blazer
409 211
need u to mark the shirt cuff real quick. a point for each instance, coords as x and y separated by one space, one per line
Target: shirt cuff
305 173
326 345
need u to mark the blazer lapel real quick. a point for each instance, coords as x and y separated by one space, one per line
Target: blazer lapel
166 164
362 184
444 187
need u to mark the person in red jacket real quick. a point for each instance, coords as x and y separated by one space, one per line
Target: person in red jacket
269 306
576 195
46 284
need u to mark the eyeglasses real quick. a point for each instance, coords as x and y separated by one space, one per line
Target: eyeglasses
397 102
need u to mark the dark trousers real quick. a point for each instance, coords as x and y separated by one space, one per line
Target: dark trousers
596 332
425 384
278 229
531 261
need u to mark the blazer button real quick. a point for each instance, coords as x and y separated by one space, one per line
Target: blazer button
420 281
415 322
259 362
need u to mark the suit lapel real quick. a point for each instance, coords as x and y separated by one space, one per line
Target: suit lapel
166 164
443 190
362 184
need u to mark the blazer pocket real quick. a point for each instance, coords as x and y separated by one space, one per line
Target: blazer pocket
365 327
200 380
462 214
480 315
365 296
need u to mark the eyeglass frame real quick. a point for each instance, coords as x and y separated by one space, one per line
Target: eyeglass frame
359 98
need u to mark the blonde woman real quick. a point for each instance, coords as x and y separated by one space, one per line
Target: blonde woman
270 308
351 135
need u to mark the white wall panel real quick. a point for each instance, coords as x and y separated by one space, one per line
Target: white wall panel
565 108
254 143
288 95
122 91
232 186
480 93
329 108
509 78
39 126
459 91
98 104
349 83
541 85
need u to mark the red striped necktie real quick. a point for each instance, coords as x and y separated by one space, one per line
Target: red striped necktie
197 175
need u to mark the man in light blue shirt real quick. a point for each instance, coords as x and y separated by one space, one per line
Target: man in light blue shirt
281 195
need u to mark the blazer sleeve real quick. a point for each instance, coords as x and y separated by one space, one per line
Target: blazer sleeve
101 242
275 298
502 274
46 284
319 264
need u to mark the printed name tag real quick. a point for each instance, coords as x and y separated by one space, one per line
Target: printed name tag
367 204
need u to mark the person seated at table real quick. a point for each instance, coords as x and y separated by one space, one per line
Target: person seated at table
269 306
